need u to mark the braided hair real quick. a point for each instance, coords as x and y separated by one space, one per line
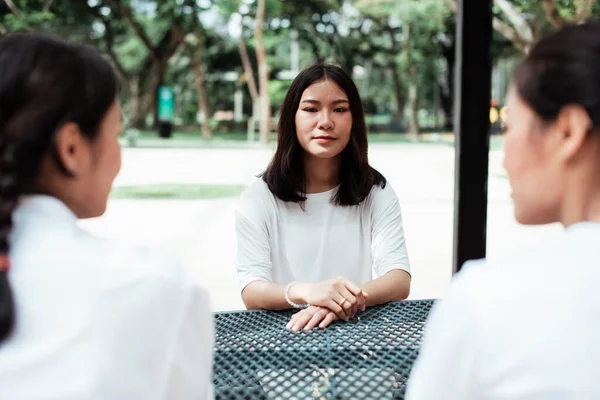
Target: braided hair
44 83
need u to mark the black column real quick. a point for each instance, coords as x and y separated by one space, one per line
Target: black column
472 128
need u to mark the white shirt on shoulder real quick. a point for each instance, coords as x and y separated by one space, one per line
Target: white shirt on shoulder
526 327
280 242
99 320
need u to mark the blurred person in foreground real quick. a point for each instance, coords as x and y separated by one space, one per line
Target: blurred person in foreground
81 317
527 326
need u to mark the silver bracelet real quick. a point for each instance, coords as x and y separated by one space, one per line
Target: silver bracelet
287 297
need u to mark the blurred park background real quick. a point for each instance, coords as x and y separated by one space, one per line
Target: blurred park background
201 86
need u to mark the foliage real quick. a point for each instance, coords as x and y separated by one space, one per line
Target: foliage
387 45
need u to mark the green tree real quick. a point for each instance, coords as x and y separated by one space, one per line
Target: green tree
414 30
523 22
67 18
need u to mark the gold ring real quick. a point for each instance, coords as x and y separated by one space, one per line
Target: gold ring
341 303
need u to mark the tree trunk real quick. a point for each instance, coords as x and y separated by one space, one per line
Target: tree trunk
584 10
251 82
412 89
196 64
447 93
398 116
519 32
518 21
146 104
263 72
414 122
145 96
196 61
155 82
446 103
400 99
202 102
135 118
156 63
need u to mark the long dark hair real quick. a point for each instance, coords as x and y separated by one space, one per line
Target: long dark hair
285 174
562 69
44 83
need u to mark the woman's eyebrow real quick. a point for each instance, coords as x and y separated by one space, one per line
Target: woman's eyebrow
318 102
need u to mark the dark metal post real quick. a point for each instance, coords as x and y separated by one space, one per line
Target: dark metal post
472 124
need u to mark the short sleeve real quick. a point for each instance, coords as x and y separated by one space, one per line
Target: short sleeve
388 245
253 245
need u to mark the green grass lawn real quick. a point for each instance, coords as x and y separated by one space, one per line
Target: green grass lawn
196 135
187 139
176 192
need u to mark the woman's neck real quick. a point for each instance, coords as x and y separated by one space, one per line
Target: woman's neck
581 205
321 174
581 198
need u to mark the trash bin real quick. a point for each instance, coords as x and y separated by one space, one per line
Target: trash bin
165 129
166 111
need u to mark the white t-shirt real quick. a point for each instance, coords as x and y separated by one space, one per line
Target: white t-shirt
99 320
279 242
526 327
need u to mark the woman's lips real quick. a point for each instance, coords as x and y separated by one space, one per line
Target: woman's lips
323 139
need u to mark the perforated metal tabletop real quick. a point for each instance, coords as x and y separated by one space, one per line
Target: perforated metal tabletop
369 357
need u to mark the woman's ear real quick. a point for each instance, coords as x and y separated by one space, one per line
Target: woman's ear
573 126
70 149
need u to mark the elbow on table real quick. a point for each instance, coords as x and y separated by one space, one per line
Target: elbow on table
255 295
403 290
249 297
250 300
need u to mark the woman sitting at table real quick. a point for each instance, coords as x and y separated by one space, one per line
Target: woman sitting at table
527 325
81 317
321 220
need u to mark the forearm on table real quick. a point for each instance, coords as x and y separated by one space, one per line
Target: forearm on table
393 286
263 295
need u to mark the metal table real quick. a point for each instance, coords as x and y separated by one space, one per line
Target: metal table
369 357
